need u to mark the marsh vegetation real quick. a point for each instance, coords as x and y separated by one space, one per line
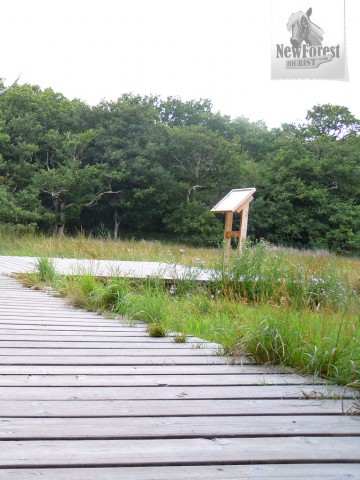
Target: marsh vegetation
276 306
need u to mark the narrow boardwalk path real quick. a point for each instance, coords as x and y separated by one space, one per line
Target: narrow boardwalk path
89 398
106 268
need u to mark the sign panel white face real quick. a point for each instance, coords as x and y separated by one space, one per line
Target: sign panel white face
233 200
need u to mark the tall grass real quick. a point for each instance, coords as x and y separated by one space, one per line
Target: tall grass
46 270
319 342
99 248
261 275
275 306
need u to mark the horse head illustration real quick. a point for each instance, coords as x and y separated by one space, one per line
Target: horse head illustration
303 29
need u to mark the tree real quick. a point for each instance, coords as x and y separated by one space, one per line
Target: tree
174 112
19 208
146 165
334 121
308 194
193 222
203 161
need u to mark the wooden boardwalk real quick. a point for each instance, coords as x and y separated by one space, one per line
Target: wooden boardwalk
106 268
86 397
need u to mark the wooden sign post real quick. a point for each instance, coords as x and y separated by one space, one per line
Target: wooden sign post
237 200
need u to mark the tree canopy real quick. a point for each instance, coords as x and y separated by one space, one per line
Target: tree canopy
144 166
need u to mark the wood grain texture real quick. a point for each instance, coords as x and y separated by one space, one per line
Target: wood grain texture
149 380
163 391
205 472
179 451
165 408
177 427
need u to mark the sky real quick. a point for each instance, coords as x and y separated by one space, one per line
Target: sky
214 49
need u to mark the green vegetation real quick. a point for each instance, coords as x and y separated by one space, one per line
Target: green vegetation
73 176
180 338
80 246
47 272
156 330
273 305
145 167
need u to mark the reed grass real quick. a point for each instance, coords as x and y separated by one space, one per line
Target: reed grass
297 309
81 246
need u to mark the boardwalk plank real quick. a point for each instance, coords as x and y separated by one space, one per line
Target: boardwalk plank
66 329
148 380
145 341
112 360
101 352
205 472
165 392
58 319
178 451
163 369
177 427
164 408
10 338
119 344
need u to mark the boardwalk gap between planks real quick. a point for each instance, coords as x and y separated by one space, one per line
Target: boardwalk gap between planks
91 398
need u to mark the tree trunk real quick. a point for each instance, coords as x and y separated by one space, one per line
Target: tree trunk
61 227
56 208
116 225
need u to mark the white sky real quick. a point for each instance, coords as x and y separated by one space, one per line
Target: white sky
216 49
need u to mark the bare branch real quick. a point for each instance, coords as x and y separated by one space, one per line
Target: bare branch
54 194
196 187
98 196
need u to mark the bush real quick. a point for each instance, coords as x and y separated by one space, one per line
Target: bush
194 222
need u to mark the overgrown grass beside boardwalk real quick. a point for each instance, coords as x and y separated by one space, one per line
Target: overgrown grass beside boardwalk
100 248
276 306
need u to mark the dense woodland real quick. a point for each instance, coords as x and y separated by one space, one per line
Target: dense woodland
149 167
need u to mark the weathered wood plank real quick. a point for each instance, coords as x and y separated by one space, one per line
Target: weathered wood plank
60 309
179 451
14 326
165 392
8 300
204 472
91 345
38 300
150 369
42 305
163 408
26 296
49 331
177 427
112 360
71 321
139 352
61 320
123 339
149 380
14 340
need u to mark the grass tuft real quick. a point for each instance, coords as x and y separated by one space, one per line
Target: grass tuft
180 338
156 330
46 270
